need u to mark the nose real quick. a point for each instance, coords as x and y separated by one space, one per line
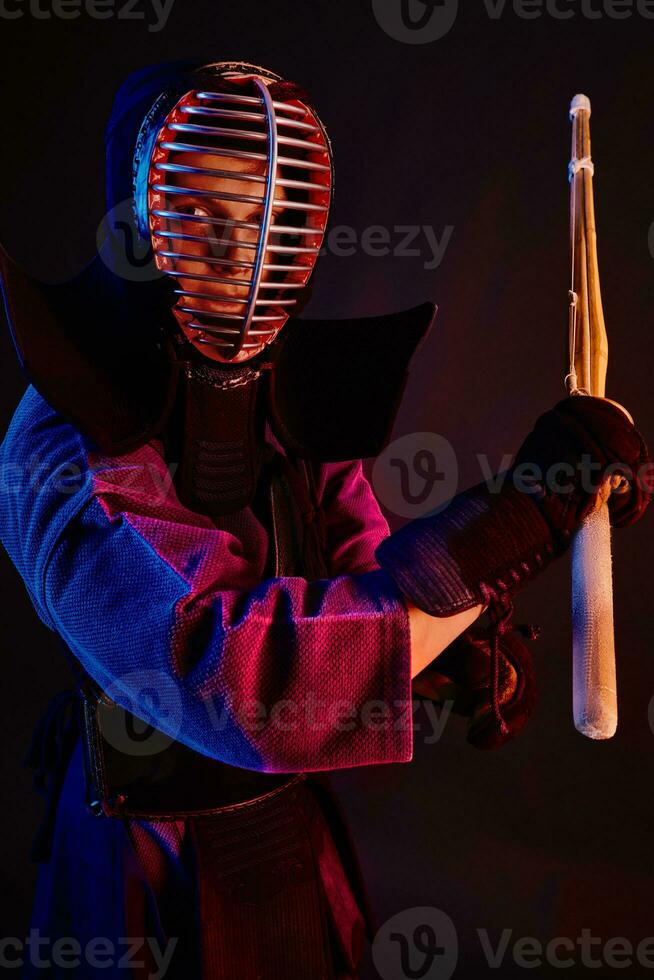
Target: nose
232 251
237 258
227 251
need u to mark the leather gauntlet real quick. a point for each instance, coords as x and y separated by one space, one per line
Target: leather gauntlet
484 545
462 674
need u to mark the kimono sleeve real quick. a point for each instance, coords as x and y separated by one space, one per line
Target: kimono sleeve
279 675
355 524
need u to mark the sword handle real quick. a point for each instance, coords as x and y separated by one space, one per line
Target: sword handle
594 687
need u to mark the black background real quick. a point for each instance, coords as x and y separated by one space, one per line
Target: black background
553 833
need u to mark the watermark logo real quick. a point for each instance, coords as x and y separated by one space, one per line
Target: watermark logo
53 956
416 474
563 952
121 248
570 9
416 21
153 12
423 943
416 944
311 714
426 21
153 699
400 242
131 257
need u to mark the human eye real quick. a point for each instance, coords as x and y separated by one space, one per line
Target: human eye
194 210
258 216
201 221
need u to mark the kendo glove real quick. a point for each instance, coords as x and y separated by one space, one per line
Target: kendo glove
489 541
461 676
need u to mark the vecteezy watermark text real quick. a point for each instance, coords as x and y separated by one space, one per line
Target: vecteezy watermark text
414 476
99 953
568 9
401 241
417 475
131 257
423 942
150 714
426 21
154 12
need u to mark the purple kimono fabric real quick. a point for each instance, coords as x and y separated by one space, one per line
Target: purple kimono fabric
304 676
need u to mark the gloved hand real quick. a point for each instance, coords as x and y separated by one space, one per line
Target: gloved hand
484 546
461 675
489 540
577 446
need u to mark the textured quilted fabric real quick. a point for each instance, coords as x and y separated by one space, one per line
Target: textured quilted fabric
272 675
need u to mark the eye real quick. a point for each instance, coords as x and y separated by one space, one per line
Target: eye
259 216
194 210
206 228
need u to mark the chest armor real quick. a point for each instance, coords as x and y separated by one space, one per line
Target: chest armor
134 770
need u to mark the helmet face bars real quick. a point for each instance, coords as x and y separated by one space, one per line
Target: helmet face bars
239 190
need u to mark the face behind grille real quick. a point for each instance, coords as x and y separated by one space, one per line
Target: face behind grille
238 198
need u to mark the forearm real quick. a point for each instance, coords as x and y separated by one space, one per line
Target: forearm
430 635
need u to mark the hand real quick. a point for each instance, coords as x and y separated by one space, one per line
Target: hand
580 452
488 542
462 674
615 483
